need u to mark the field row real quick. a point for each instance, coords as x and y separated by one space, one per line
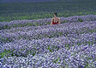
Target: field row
82 56
22 23
50 32
25 47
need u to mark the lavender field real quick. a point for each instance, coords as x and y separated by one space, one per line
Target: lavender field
37 44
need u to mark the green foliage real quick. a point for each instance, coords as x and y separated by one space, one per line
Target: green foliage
8 53
88 42
65 21
54 35
22 25
56 47
80 20
87 30
5 53
56 60
60 33
5 27
93 30
67 46
33 51
49 49
19 25
86 65
48 23
5 39
78 43
65 64
52 48
62 67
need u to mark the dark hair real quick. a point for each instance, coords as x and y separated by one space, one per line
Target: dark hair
55 14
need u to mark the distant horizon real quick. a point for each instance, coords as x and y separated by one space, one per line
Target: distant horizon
24 1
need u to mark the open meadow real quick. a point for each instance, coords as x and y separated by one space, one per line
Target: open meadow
27 40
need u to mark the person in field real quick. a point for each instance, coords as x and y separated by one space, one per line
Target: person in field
55 20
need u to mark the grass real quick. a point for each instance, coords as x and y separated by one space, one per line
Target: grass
67 46
21 25
52 48
87 30
3 39
41 16
86 65
18 25
49 49
5 27
65 21
9 53
32 52
56 60
80 20
5 53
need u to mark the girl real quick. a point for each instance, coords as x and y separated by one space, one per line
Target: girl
55 19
